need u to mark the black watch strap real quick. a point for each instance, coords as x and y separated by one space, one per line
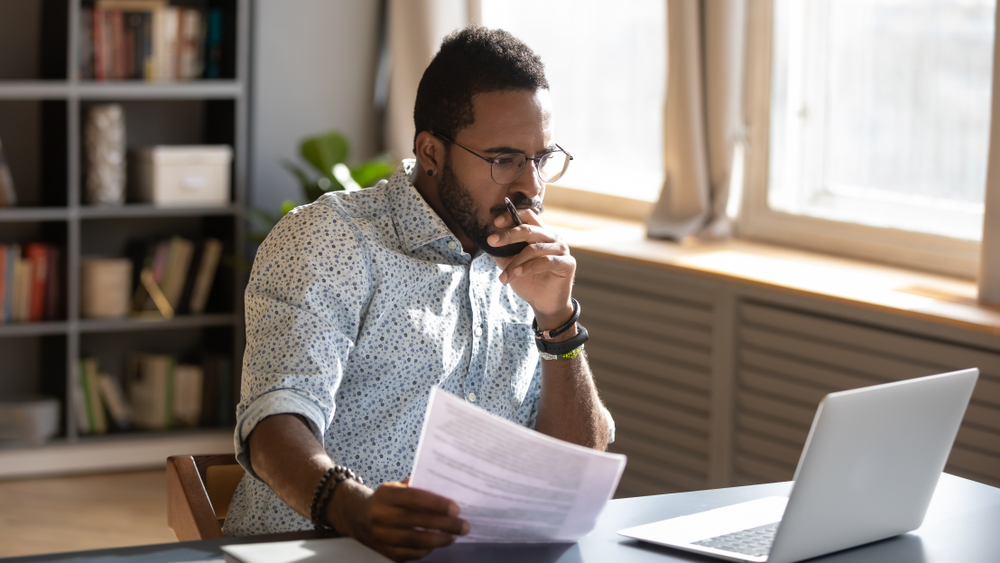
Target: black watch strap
547 334
559 348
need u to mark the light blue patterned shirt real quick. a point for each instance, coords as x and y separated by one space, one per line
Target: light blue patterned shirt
357 305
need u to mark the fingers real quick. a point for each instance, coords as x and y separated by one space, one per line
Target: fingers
405 523
418 500
531 231
540 258
545 253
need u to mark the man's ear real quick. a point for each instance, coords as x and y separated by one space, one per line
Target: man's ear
430 153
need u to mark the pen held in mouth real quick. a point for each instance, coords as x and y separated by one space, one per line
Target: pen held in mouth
513 212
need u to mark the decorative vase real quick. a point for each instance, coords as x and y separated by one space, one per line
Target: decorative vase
104 144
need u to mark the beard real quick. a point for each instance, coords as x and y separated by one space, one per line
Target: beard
464 211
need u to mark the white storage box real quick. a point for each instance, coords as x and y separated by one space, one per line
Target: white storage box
182 175
29 420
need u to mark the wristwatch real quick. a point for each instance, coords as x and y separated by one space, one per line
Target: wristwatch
554 350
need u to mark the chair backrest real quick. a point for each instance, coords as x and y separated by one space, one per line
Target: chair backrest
199 488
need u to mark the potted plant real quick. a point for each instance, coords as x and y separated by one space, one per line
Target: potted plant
327 154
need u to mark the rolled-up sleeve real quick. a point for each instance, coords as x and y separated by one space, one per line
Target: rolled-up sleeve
307 289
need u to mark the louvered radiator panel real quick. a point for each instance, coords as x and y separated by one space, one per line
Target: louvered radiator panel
651 353
786 361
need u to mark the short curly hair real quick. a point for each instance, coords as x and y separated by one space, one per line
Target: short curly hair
472 61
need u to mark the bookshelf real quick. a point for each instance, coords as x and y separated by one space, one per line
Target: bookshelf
43 106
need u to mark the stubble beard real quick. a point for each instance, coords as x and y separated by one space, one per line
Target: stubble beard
464 211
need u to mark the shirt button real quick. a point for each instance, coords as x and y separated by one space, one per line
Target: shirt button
472 397
478 331
451 244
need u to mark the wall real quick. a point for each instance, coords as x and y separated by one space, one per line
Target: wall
313 70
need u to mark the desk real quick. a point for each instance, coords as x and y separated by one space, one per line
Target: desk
961 525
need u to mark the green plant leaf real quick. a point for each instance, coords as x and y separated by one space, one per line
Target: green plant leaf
325 150
367 174
297 171
320 186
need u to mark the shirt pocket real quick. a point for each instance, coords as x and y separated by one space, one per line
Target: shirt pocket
519 361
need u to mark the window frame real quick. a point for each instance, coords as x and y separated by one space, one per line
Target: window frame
939 254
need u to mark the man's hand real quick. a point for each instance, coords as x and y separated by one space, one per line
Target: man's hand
395 520
542 273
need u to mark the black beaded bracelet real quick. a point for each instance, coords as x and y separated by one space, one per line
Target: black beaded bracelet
549 334
320 500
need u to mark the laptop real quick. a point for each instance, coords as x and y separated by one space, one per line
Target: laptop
867 472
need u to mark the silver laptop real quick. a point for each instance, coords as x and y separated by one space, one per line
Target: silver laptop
867 472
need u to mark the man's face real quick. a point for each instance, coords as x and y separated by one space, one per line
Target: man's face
516 121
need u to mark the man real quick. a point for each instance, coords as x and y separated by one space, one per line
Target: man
361 302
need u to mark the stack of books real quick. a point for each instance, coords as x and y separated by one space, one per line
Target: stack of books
160 394
149 40
29 282
182 270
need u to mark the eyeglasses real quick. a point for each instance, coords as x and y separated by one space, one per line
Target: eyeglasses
506 168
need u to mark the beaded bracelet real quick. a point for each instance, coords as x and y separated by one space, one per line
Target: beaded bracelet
320 501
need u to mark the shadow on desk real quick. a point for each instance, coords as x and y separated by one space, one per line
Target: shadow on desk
506 553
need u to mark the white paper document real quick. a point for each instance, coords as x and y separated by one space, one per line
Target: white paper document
513 484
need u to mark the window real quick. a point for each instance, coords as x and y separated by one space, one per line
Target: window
606 65
876 117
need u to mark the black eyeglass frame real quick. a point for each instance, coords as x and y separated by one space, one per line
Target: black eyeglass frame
538 170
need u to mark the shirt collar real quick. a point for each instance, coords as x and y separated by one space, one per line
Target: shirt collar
416 223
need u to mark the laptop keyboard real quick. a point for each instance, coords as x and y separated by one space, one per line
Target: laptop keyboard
753 541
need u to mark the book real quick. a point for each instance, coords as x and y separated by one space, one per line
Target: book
150 381
114 401
190 45
99 47
85 60
117 29
53 295
201 287
37 254
213 44
150 40
188 386
166 44
13 254
8 197
78 403
176 270
22 290
97 422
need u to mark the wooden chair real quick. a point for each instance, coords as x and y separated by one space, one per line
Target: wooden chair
199 488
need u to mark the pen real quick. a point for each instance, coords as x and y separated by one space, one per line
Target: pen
513 212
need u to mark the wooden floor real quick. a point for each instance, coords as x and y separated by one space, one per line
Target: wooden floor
83 512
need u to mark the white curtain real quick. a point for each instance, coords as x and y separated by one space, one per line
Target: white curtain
415 31
703 117
989 254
